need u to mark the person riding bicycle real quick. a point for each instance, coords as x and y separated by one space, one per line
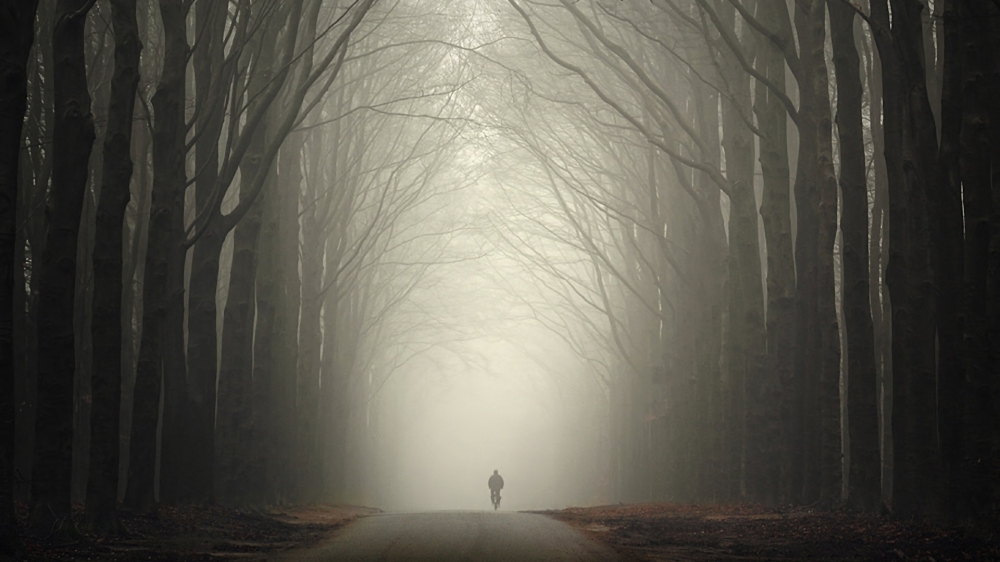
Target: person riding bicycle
496 484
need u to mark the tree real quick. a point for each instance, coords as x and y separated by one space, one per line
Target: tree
102 487
978 140
73 138
295 71
911 154
158 352
775 211
19 22
864 479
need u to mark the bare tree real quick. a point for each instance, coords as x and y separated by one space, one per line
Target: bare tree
865 485
102 488
19 21
73 137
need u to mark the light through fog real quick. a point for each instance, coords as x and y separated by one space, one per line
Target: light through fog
484 385
368 252
490 362
455 435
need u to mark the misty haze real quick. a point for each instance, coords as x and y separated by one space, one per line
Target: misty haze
499 279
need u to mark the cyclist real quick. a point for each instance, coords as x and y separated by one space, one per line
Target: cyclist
496 484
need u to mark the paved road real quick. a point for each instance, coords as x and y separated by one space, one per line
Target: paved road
457 536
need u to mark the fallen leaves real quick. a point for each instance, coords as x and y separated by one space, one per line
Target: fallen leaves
203 534
663 531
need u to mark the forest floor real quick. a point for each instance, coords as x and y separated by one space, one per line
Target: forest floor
201 534
661 532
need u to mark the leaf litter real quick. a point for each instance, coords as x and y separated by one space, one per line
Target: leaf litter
664 531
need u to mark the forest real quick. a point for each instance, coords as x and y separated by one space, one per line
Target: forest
262 253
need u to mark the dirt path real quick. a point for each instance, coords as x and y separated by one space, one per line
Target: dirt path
642 533
453 536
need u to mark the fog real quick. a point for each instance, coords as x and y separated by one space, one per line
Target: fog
511 420
367 252
484 384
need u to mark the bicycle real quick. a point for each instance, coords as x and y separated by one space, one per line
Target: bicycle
495 499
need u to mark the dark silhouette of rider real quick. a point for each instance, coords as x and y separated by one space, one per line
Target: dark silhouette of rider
496 484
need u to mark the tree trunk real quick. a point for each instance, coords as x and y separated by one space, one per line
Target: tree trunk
911 154
202 346
878 258
18 21
270 430
286 358
333 382
243 415
102 486
864 482
100 65
747 330
160 272
818 362
238 465
993 383
980 212
278 290
177 477
132 317
712 272
949 257
775 210
73 138
35 174
310 342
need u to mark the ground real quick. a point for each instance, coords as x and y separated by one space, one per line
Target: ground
640 533
456 536
659 532
196 534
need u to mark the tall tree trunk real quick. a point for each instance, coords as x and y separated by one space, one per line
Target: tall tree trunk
310 338
202 344
818 364
807 345
132 317
73 138
980 213
712 272
238 467
747 330
270 430
243 415
160 273
911 155
864 479
100 66
879 257
804 439
177 475
993 382
106 382
35 174
949 258
291 292
18 21
280 266
333 381
775 211
279 286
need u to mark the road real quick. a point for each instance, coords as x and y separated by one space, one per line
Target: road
456 536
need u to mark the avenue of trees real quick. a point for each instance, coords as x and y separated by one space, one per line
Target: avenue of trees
769 229
788 217
210 211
